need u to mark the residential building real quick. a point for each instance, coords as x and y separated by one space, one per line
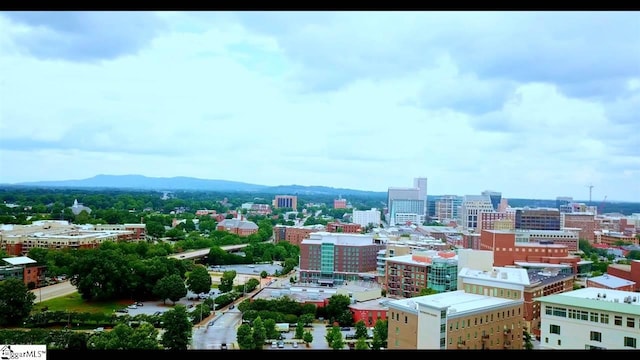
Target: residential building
338 226
455 320
333 258
407 275
137 231
421 184
613 238
366 217
590 318
285 201
542 282
295 234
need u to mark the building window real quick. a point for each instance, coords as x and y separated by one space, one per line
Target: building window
559 342
595 336
630 342
554 329
617 320
604 318
631 322
405 319
593 317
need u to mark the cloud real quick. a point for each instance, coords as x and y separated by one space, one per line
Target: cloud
471 100
84 35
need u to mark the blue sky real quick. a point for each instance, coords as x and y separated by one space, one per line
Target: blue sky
532 104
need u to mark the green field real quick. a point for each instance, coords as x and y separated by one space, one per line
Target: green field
74 303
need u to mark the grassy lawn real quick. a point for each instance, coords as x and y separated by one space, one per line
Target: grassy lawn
74 303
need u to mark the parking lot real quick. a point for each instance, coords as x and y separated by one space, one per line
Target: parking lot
254 269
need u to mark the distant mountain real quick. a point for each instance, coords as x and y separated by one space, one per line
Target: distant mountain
140 182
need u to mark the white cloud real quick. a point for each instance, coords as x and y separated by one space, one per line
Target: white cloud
211 97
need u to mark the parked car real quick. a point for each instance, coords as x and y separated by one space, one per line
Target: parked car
280 344
223 346
132 306
274 345
295 344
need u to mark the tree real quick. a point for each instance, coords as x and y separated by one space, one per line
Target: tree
199 280
380 333
528 345
299 330
361 344
244 337
361 330
263 274
270 328
124 337
16 302
170 287
307 337
154 229
427 291
334 338
259 333
337 306
226 281
307 318
177 335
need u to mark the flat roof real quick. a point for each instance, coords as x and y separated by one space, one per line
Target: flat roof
611 281
343 239
597 299
501 274
19 260
541 265
457 302
376 304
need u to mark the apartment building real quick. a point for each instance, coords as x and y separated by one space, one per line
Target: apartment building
584 221
455 320
366 217
446 207
333 258
590 318
542 282
407 275
349 228
295 234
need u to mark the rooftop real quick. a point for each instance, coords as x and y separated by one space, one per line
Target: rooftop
458 302
501 274
597 299
611 281
343 239
19 260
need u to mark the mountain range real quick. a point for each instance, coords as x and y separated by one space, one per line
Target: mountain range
140 182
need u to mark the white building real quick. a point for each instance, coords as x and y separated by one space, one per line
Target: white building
471 211
366 217
590 318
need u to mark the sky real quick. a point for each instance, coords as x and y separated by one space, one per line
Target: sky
531 104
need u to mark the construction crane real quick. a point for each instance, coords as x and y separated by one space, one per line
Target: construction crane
601 206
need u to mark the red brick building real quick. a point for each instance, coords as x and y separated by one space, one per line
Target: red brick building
340 203
369 312
238 227
628 272
507 252
586 222
608 281
344 228
294 234
541 283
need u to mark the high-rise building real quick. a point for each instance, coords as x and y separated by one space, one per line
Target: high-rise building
471 210
405 205
421 184
366 217
447 207
538 219
495 198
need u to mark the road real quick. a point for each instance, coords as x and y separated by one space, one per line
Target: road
53 291
223 330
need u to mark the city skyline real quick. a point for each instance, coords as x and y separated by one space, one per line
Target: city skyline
357 100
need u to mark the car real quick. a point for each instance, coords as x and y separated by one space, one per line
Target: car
132 306
345 328
99 329
295 344
280 344
211 323
138 303
231 306
157 313
122 311
274 345
223 346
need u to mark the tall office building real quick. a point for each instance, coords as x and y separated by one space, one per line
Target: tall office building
421 184
495 198
471 211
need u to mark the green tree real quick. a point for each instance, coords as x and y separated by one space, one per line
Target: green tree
335 339
154 229
307 337
263 274
199 280
177 335
361 344
528 345
337 306
259 333
307 318
299 330
380 333
124 337
226 281
244 337
16 302
427 291
170 287
270 328
361 330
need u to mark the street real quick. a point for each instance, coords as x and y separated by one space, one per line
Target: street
53 291
223 331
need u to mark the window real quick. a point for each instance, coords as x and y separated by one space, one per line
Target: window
604 318
630 342
405 319
595 336
554 329
631 322
617 320
593 317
